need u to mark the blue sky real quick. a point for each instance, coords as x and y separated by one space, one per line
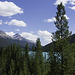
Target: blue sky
33 18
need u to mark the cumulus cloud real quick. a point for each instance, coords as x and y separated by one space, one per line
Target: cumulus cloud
29 36
73 7
66 17
0 22
50 20
16 23
9 9
63 1
6 22
72 2
17 29
10 33
53 19
26 35
45 36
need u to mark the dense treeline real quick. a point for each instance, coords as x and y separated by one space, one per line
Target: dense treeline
17 61
61 54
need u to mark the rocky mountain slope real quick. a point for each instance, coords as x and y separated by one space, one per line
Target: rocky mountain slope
6 40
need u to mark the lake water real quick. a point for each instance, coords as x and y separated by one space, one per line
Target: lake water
45 54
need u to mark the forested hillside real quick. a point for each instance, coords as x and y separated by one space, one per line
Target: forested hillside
6 40
46 47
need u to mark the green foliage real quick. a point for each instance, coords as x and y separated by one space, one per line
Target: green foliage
39 61
35 64
61 55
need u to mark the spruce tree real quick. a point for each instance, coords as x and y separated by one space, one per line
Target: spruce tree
72 62
37 68
12 68
61 37
39 61
27 58
53 62
24 68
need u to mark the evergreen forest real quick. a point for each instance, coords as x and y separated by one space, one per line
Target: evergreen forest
61 55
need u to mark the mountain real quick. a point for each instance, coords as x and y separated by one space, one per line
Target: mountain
6 40
73 38
20 38
46 47
3 35
17 36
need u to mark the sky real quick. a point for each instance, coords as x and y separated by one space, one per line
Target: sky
34 19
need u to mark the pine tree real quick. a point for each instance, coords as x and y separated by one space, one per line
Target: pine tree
8 59
72 62
53 62
27 58
39 61
20 72
37 68
12 68
32 58
61 37
14 51
24 68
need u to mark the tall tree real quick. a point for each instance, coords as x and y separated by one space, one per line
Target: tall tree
27 58
61 37
12 68
39 62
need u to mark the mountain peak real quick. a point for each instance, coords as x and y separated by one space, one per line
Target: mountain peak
2 33
17 35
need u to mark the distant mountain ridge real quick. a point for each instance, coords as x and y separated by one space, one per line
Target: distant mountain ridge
46 47
19 37
6 40
3 34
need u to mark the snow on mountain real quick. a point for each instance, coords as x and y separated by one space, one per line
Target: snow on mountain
20 38
3 35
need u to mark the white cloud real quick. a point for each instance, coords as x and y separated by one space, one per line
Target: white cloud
50 20
54 19
73 8
16 23
72 2
6 22
0 22
10 33
66 17
9 9
29 36
45 37
63 1
17 29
